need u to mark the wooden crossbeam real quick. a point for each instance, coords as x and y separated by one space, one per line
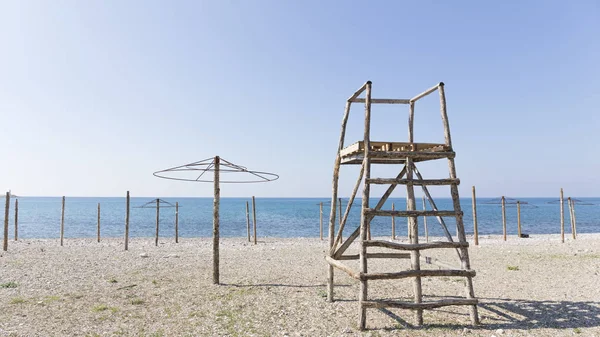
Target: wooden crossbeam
382 101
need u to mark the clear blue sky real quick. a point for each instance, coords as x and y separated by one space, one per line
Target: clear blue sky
97 95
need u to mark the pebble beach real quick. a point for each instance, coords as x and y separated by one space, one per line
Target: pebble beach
527 287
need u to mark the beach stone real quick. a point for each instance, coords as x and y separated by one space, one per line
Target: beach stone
466 331
144 255
500 331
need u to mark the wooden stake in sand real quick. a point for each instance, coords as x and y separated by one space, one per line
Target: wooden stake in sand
504 217
248 220
216 223
321 221
127 221
157 221
6 208
572 216
475 231
16 219
176 222
562 217
519 218
254 217
393 223
98 228
62 221
574 220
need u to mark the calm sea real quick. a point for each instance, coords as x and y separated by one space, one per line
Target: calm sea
39 217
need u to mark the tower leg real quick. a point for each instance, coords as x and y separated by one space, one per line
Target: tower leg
413 226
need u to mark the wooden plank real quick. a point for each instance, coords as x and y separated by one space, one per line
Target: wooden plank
413 155
382 100
374 212
426 92
438 182
415 246
413 236
341 266
419 306
376 256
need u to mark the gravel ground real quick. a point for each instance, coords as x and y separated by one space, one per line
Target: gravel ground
527 287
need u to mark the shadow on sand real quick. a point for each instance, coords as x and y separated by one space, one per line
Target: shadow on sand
510 314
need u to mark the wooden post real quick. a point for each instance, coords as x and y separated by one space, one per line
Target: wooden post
216 223
335 181
574 220
393 223
460 228
6 210
425 222
98 227
254 217
127 222
475 231
62 221
504 217
177 222
16 219
562 217
519 218
321 221
248 220
157 221
413 225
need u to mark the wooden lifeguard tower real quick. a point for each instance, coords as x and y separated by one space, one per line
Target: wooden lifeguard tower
367 153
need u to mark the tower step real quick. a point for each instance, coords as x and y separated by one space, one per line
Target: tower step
424 305
417 273
414 246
